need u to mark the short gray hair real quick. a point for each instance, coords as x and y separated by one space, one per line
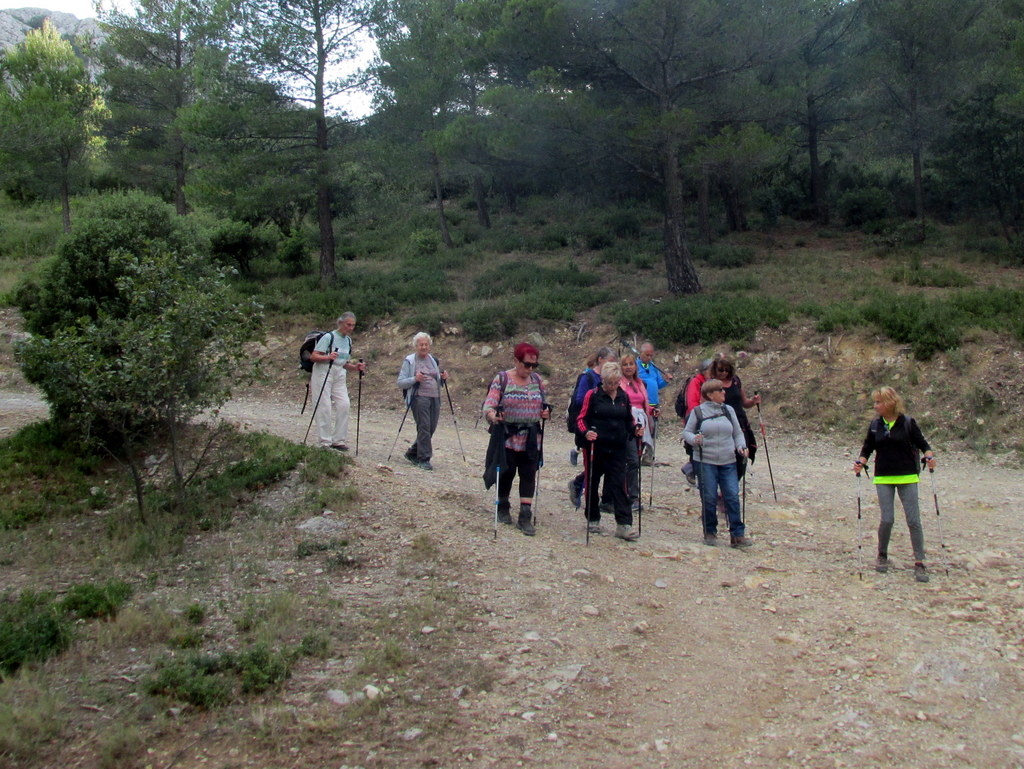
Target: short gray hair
421 335
345 316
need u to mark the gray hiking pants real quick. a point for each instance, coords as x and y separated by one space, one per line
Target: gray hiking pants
887 503
425 412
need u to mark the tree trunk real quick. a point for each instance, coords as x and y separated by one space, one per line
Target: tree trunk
736 219
180 204
439 192
704 206
65 192
483 215
324 195
916 152
682 277
818 198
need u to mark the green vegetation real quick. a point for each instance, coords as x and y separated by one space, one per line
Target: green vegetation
37 625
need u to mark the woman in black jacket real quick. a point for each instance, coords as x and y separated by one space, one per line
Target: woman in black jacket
895 439
606 423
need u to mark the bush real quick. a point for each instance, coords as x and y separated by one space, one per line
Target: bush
237 244
522 276
928 327
293 253
91 601
493 320
32 629
860 206
937 277
700 319
724 256
623 224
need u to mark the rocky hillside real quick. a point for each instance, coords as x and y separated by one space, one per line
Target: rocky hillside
15 22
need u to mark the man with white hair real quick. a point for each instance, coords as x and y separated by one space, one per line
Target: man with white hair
332 360
421 377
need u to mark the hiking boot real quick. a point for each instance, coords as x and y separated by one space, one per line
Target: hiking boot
627 533
504 511
711 540
339 447
881 564
525 522
741 542
574 457
919 572
425 465
410 453
594 527
691 476
575 493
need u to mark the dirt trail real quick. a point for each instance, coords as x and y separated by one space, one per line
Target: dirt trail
669 653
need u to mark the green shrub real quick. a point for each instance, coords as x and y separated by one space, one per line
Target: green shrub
700 319
860 206
91 601
195 614
261 668
293 253
837 315
30 488
424 242
491 320
927 326
32 629
237 244
725 256
521 276
739 283
623 224
936 277
200 680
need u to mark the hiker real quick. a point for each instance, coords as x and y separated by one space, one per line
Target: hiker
606 423
332 360
692 399
515 408
714 432
724 370
420 377
636 391
587 381
655 379
896 439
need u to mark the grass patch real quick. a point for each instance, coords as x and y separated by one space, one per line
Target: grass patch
701 319
29 485
31 716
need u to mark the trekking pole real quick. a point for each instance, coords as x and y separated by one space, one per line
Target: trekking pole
540 464
497 501
454 419
938 518
321 395
305 400
860 574
743 508
700 483
359 406
588 463
764 440
640 486
400 426
654 462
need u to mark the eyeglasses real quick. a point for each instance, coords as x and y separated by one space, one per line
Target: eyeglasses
530 365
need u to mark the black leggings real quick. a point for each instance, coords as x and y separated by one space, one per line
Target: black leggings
518 461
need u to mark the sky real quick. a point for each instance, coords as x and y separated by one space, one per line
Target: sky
83 9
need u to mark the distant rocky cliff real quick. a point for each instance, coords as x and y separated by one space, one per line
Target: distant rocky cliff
15 22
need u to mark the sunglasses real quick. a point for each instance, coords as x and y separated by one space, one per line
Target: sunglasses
530 365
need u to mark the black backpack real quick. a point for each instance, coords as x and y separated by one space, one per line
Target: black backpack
680 404
572 412
306 350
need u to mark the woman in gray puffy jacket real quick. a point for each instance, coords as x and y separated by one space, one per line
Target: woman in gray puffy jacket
715 434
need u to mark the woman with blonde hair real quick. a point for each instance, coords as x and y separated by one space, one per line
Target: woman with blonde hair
895 440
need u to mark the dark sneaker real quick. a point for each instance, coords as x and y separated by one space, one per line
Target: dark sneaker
919 572
741 542
575 494
410 454
425 465
504 511
594 527
627 533
711 540
525 525
881 564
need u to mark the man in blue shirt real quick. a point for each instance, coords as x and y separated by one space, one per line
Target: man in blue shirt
654 379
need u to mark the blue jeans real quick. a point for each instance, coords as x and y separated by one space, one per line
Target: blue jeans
712 478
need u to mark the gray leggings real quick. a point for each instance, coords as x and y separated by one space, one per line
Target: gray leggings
887 502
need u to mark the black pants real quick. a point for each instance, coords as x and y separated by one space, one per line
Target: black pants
518 462
608 462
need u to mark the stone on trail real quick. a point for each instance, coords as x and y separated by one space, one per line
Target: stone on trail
318 524
591 611
338 697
